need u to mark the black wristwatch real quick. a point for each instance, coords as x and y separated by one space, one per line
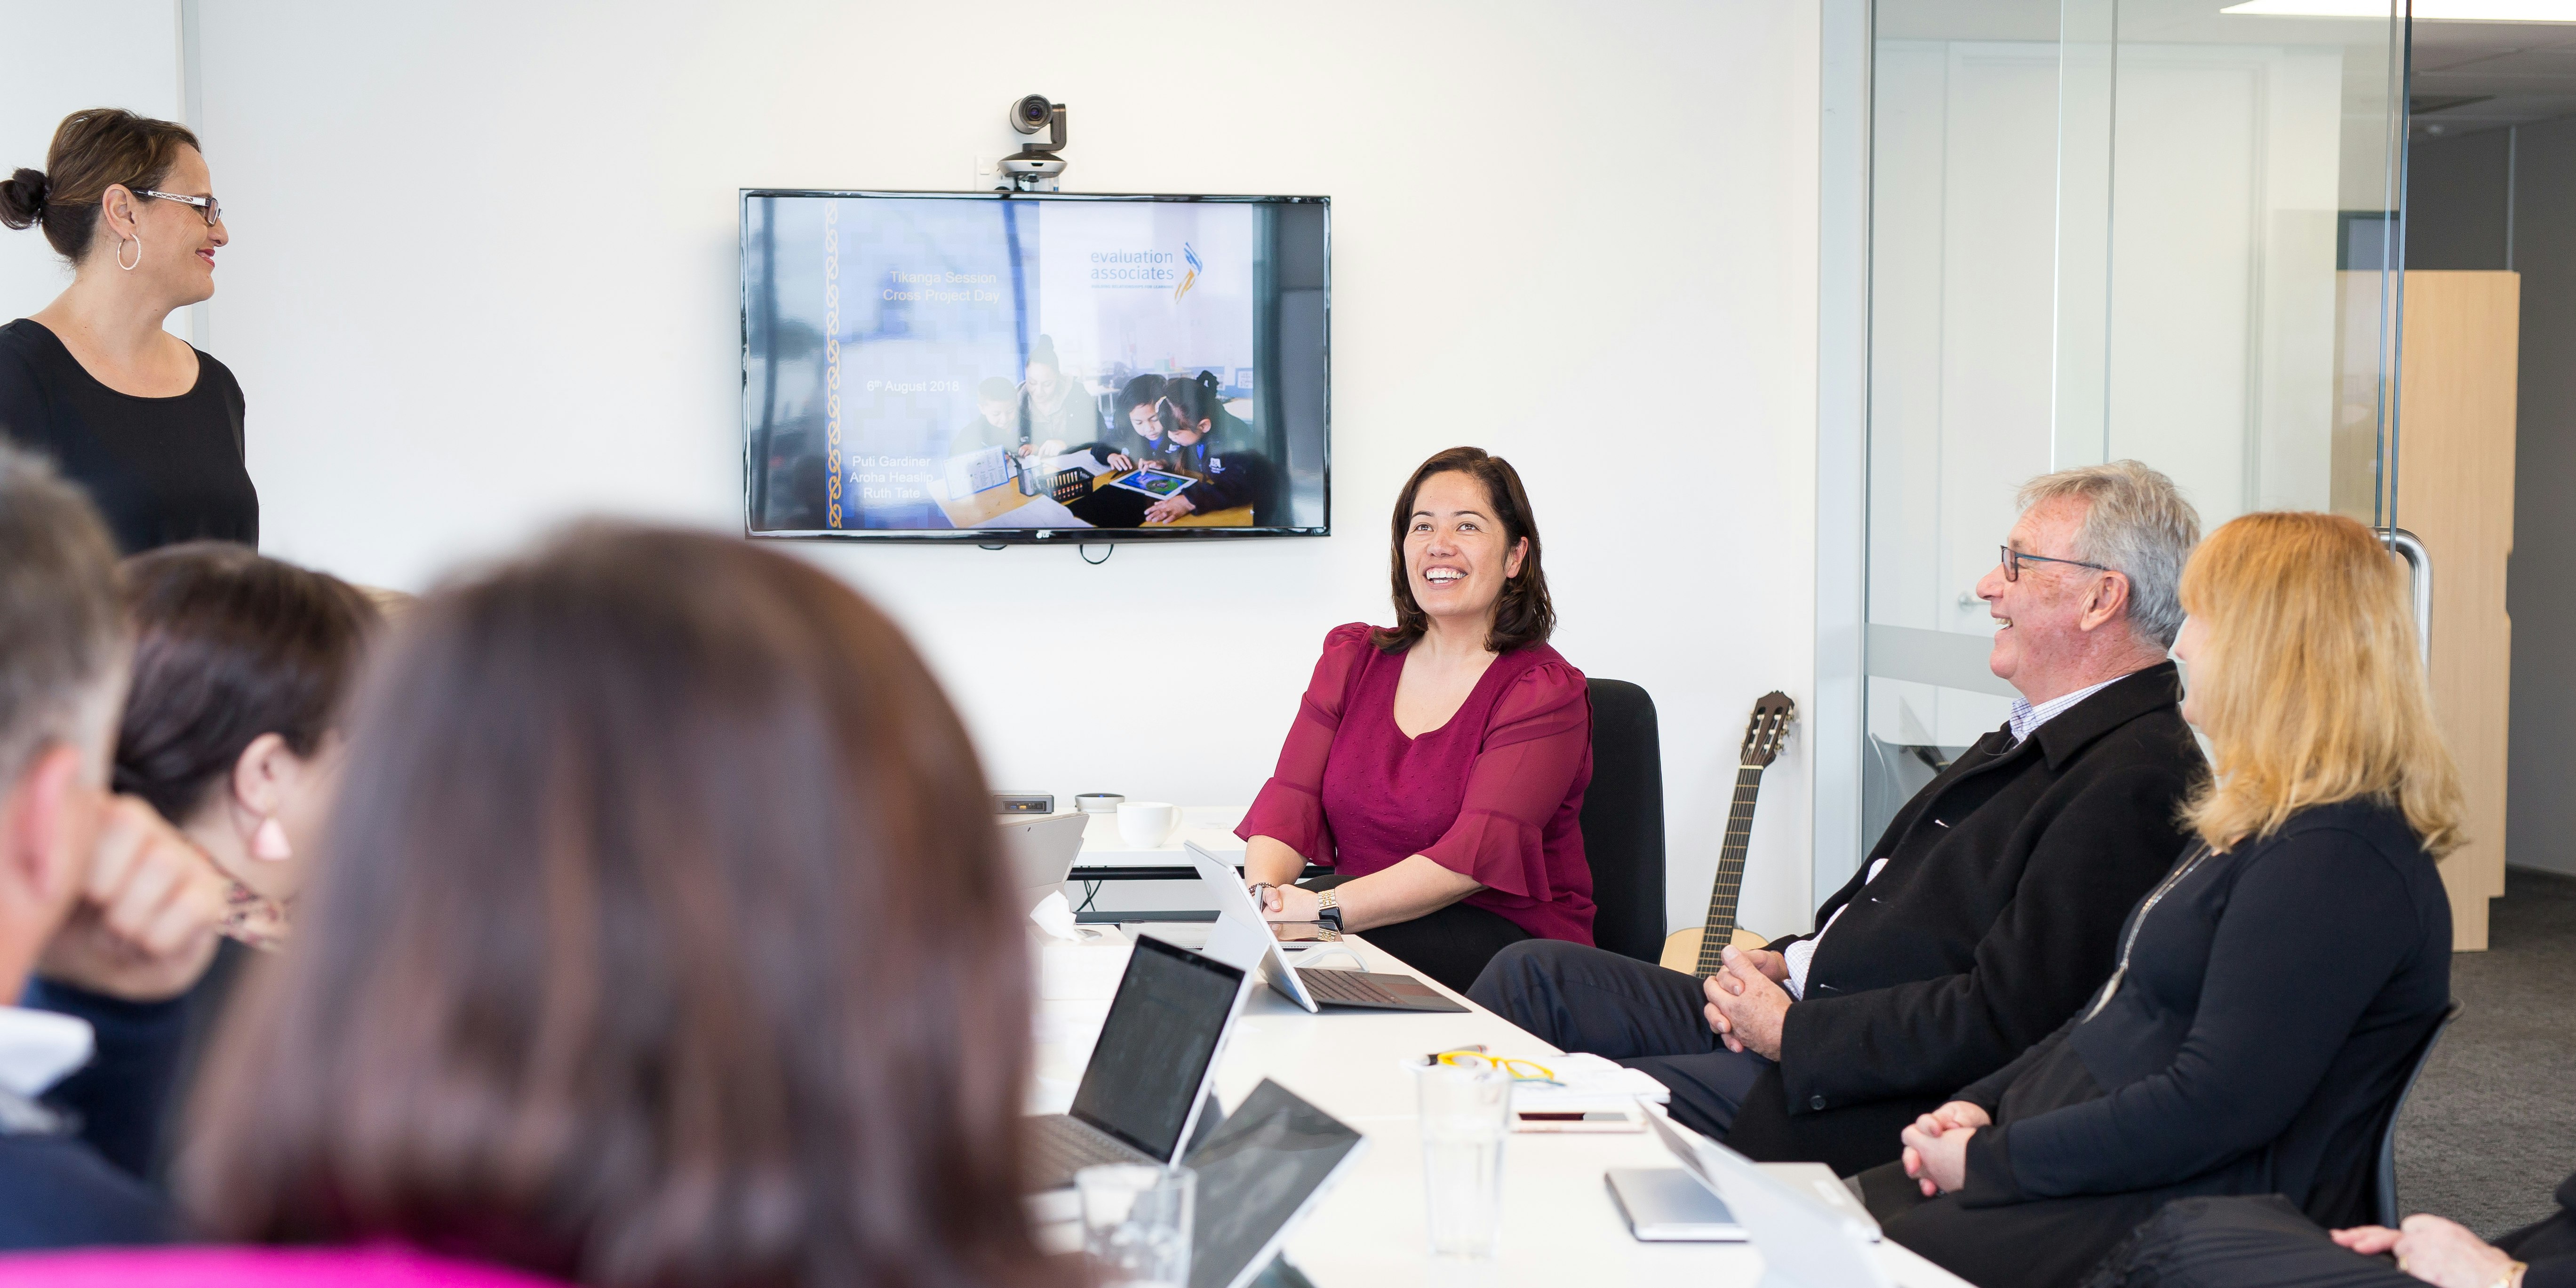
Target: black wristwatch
1328 911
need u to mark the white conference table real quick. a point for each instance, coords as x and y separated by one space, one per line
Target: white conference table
1560 1227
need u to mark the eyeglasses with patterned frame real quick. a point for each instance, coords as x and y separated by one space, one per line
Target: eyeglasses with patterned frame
212 209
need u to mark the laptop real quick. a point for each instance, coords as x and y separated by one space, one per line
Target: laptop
1042 851
1811 1230
1669 1205
1259 1174
1241 936
1681 1204
1147 1082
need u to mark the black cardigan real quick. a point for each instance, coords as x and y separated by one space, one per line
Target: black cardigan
2273 997
2549 1246
1994 919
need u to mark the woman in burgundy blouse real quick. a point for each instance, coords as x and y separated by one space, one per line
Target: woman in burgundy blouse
1438 766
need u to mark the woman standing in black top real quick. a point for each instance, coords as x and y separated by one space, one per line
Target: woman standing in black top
2269 994
149 425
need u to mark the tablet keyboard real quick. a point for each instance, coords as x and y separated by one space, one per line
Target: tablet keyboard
1061 1146
1346 986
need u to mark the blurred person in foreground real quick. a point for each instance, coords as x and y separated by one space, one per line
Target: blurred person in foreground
95 890
660 936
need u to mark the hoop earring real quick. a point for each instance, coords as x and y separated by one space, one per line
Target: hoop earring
138 254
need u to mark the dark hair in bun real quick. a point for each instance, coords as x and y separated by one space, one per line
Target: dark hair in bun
93 150
22 198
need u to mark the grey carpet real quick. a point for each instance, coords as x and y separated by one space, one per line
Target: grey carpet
2491 1129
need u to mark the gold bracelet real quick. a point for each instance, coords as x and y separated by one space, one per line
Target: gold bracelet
2512 1276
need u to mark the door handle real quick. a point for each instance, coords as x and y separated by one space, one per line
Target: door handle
2419 561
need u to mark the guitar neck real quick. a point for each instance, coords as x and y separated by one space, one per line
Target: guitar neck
1720 926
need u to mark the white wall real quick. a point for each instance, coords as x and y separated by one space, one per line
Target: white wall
483 278
62 58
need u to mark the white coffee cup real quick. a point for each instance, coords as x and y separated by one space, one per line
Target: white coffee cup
1145 825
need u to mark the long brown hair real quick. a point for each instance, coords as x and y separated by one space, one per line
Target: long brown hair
229 645
2309 684
92 151
661 937
1523 614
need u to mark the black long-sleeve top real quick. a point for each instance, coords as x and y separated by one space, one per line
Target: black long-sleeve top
161 470
2272 997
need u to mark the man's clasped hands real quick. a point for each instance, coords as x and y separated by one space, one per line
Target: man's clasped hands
1748 1002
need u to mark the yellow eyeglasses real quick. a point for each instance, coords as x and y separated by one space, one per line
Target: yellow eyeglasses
1518 1070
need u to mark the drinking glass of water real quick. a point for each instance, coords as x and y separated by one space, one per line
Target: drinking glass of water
1466 1109
1136 1222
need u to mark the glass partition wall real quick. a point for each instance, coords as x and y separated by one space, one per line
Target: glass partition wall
2105 229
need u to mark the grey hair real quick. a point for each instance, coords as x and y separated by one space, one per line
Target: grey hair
2136 523
62 631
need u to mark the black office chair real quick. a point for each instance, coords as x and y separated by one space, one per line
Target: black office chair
1623 822
2385 1183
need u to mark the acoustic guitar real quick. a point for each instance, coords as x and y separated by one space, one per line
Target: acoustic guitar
1696 950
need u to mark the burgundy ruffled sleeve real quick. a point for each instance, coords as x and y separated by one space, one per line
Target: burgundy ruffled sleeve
1539 738
1290 808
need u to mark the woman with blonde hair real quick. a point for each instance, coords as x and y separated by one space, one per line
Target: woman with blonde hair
2268 993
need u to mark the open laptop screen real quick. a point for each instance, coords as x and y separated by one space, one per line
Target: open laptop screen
1163 1028
1256 1174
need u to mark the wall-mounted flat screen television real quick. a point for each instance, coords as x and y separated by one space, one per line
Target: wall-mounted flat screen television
1034 367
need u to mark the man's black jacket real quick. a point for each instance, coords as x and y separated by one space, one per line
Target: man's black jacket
2008 877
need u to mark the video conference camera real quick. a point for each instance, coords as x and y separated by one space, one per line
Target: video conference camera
1034 165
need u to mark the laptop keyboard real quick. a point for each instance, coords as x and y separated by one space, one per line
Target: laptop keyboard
1345 986
1064 1145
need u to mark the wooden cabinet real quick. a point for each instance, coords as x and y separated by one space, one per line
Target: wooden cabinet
2455 491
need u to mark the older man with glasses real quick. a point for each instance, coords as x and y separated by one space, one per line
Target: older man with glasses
1987 911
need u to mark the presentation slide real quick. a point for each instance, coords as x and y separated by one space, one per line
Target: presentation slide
926 364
